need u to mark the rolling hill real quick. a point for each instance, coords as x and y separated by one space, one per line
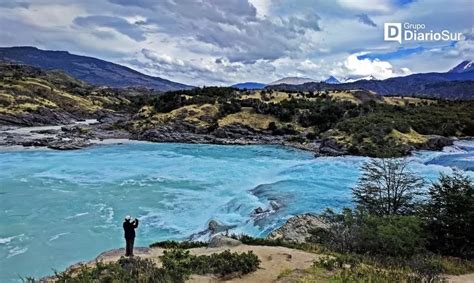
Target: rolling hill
88 69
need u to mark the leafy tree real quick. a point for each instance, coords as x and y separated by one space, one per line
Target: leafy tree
450 213
360 232
387 187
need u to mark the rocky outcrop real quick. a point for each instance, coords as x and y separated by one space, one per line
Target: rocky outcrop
67 137
69 144
42 116
437 142
331 147
188 133
214 227
297 228
223 241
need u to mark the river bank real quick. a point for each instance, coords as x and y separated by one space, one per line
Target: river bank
85 133
88 132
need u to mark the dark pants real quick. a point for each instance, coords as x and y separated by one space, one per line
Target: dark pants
129 246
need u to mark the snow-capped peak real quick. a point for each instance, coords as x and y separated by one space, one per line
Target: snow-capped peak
355 79
464 66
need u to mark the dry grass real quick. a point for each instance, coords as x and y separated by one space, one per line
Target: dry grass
411 137
274 97
345 96
249 118
199 115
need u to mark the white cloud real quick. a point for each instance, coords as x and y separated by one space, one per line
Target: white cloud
223 42
384 6
377 68
262 6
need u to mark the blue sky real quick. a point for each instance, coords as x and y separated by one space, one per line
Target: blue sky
220 42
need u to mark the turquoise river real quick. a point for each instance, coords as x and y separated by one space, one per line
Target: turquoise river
61 207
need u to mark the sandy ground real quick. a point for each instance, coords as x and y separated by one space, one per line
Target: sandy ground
274 260
466 278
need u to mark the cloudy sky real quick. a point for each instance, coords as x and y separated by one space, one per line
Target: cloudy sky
220 42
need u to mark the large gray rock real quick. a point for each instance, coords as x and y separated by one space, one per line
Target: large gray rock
297 229
69 144
437 142
331 147
215 226
223 241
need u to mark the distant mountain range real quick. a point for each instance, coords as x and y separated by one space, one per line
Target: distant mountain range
334 80
299 81
88 69
249 85
456 84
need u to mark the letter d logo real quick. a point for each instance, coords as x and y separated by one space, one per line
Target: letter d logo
392 32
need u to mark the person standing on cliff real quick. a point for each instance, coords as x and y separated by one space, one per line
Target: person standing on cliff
129 226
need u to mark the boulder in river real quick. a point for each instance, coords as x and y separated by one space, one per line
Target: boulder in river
215 227
69 144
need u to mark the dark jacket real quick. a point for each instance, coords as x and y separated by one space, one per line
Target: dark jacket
129 228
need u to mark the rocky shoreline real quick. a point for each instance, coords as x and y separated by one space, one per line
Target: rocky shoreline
84 133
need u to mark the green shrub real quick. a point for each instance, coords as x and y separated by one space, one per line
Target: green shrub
222 264
124 270
359 232
170 244
177 266
253 241
450 216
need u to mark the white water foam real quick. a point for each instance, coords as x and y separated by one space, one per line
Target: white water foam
57 236
16 251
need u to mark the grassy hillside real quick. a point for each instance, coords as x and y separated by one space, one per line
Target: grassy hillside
352 121
360 122
29 96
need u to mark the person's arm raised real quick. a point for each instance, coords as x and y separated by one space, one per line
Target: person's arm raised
136 223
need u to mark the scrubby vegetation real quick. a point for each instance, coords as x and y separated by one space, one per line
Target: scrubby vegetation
169 244
253 241
361 122
46 97
360 268
395 232
177 266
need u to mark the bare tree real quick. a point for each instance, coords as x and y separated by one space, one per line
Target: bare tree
387 187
